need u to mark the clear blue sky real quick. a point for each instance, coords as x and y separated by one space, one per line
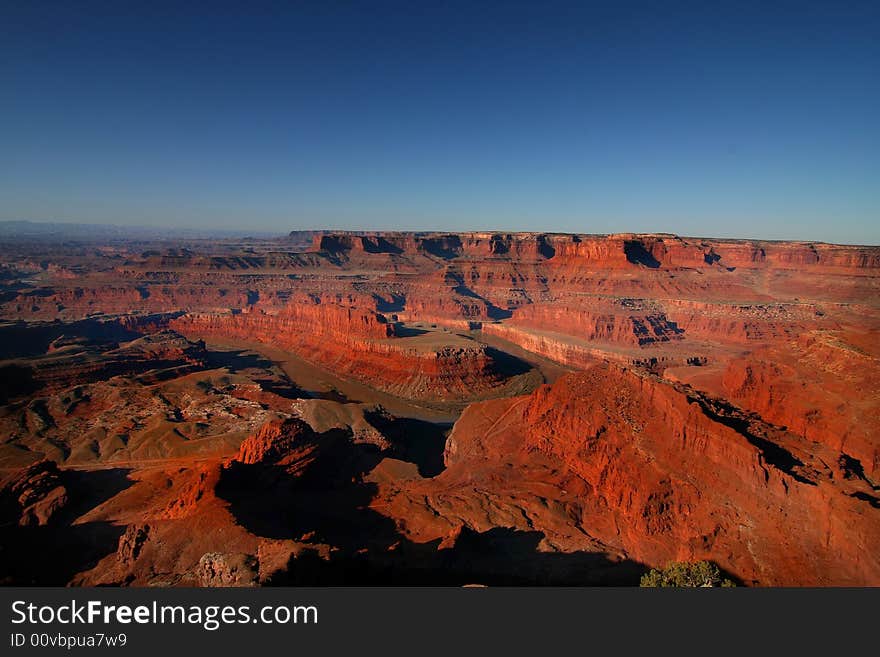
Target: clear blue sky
746 119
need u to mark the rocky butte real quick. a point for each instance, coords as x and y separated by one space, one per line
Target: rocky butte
438 408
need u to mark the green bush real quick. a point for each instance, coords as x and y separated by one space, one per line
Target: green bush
683 574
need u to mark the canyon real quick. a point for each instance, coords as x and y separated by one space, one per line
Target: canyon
330 407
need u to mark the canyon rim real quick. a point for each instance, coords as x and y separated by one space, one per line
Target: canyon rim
333 407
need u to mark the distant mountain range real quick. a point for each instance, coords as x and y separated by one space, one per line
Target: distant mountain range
30 230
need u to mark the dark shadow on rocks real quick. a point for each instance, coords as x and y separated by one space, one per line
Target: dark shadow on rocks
88 489
403 331
414 441
637 254
52 554
237 361
493 311
446 247
379 244
853 469
498 244
866 497
507 364
545 248
27 339
776 455
498 557
322 495
240 361
16 381
395 304
503 556
315 492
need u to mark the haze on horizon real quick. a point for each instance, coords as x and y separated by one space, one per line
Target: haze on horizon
704 119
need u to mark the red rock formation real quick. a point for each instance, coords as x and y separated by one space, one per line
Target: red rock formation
555 346
744 323
77 360
158 396
661 474
356 342
78 302
323 319
34 495
591 251
625 322
274 441
611 461
814 395
224 569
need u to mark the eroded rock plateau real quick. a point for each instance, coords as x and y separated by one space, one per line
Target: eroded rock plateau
344 408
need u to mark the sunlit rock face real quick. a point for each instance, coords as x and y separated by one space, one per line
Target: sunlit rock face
439 408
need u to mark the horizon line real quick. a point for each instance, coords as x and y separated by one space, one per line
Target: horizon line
265 233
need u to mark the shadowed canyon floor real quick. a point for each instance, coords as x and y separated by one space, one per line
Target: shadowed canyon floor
431 408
